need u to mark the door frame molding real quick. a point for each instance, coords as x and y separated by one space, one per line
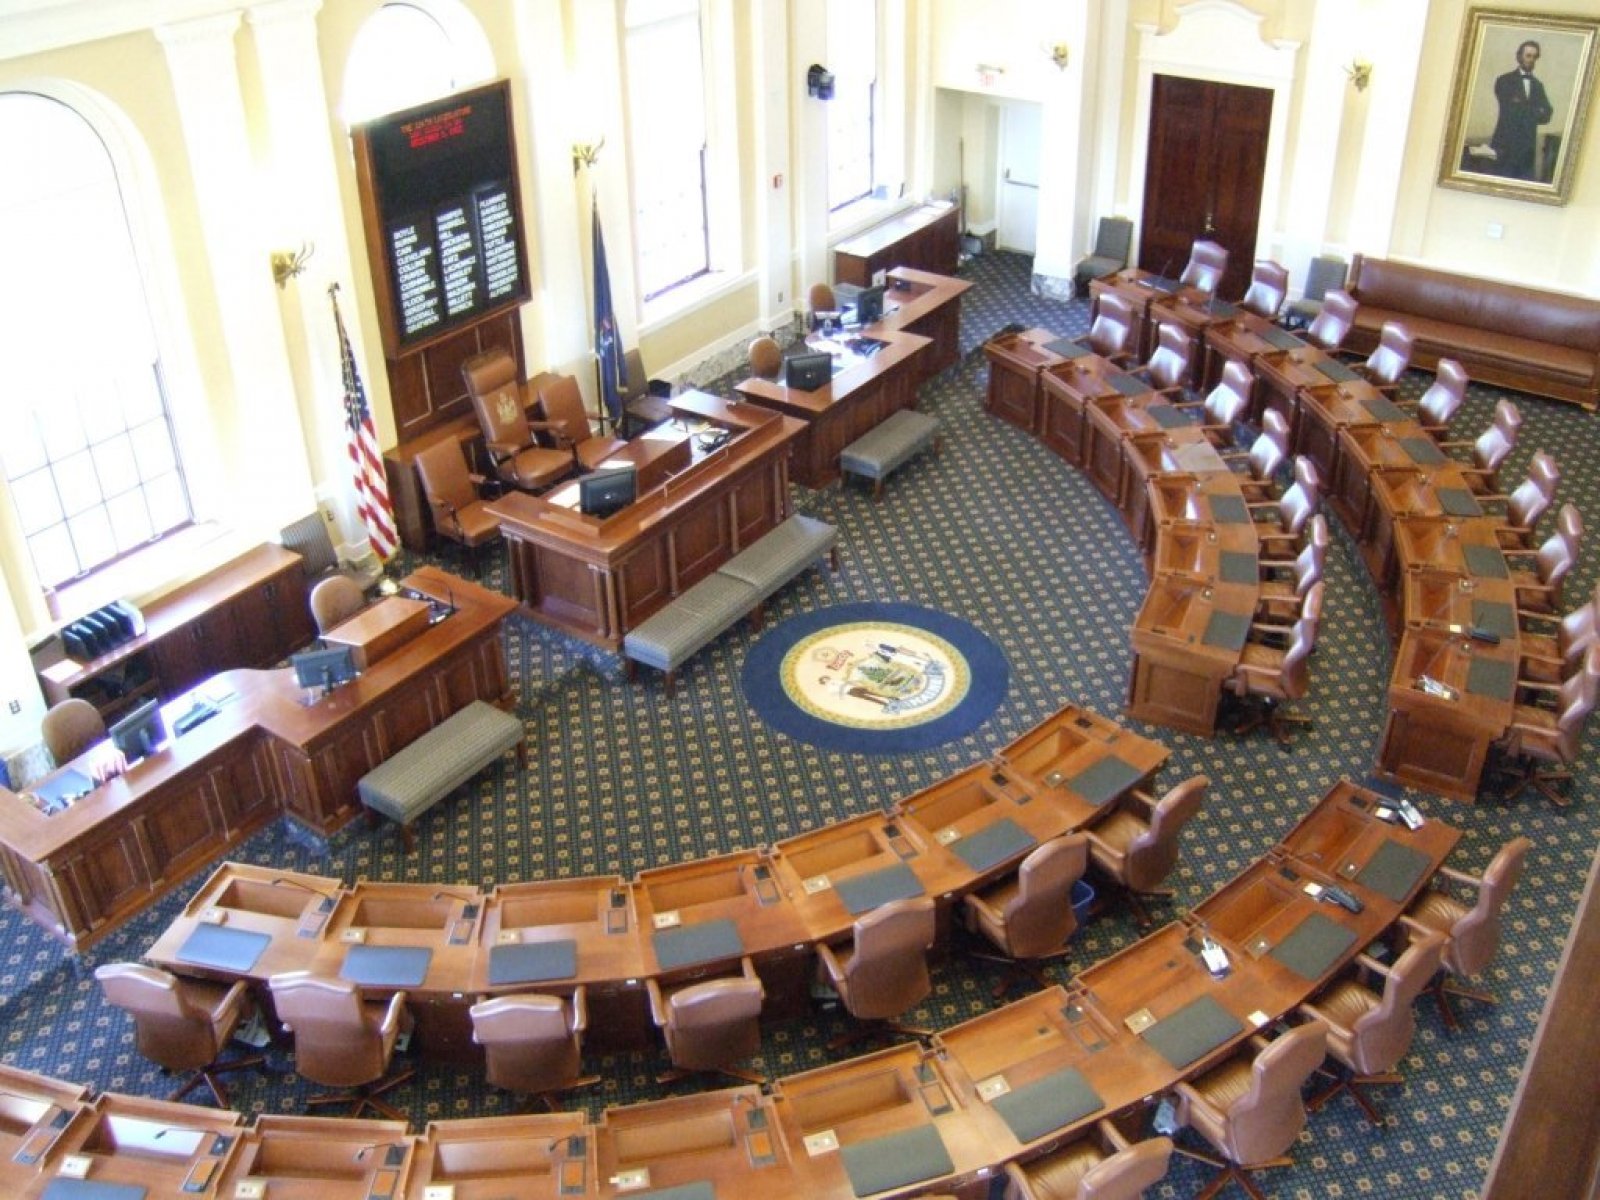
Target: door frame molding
1219 41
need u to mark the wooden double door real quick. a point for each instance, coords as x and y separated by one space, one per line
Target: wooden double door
1206 160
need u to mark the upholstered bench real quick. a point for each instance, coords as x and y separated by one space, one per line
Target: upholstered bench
782 554
889 446
438 762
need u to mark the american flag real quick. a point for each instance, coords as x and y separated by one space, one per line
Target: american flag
366 463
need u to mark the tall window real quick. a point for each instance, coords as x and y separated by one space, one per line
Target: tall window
853 59
401 56
88 450
669 143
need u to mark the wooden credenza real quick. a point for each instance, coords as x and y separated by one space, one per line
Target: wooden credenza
926 238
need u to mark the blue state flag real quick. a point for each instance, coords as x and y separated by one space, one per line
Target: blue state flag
607 342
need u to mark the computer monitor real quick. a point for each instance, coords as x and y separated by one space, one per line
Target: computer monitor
324 669
869 305
611 489
808 372
141 733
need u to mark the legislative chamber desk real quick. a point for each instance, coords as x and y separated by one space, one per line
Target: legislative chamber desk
1156 298
271 747
598 578
929 305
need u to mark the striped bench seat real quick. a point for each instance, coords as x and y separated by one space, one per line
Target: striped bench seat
885 448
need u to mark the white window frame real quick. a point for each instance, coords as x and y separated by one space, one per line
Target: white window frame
888 124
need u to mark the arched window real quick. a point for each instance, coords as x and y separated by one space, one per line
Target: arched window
89 455
408 53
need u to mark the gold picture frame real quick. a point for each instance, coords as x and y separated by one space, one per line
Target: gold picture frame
1513 136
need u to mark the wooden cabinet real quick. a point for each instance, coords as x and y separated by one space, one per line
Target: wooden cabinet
927 238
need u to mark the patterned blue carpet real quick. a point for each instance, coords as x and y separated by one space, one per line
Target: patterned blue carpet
624 777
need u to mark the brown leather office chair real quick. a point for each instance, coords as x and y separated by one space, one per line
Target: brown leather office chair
1471 931
1135 846
1539 577
1226 405
1370 1031
1293 510
1333 322
821 299
568 423
1208 262
1490 449
1168 365
1113 335
709 1025
1249 1108
885 970
1028 916
491 379
1113 239
1443 399
71 727
1549 657
181 1024
1273 628
1390 358
1528 503
533 1044
1284 585
1269 287
334 601
1267 679
459 513
1100 1165
766 357
341 1040
1265 459
1542 742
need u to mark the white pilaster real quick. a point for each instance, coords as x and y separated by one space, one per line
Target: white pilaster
774 178
1323 93
1395 57
1065 167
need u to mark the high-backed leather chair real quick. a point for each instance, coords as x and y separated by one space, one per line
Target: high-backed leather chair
1168 365
181 1024
1550 657
1282 595
1272 678
1327 273
1028 916
71 727
533 1044
334 601
1135 847
1208 263
1530 501
821 299
1471 931
1540 583
1542 742
885 970
1269 287
1226 404
1333 322
451 491
766 357
566 420
1390 357
491 379
1293 510
1443 399
1273 627
1113 334
1113 239
1101 1165
341 1040
709 1025
1370 1031
1265 459
1249 1108
1491 448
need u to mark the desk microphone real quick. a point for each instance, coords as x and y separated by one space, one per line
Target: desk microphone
441 894
450 597
285 881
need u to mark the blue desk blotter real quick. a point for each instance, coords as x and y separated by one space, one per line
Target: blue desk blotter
863 893
896 1159
1227 630
386 966
1495 678
1281 339
1315 945
1167 416
1067 348
1494 616
533 962
1238 566
993 844
225 949
1335 370
1486 562
1382 409
690 944
1128 385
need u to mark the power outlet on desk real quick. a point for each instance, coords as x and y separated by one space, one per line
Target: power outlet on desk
667 920
74 1166
439 1191
250 1189
628 1181
357 936
993 1087
823 1142
507 937
214 916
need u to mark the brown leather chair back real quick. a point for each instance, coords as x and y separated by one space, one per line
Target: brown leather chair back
635 380
1475 937
1299 501
1294 672
1267 453
1228 402
1153 853
1208 262
70 728
1380 1037
531 1042
561 403
1392 355
447 484
766 357
1039 917
1126 1174
1492 447
1575 703
338 1040
821 298
1170 363
887 971
335 600
1533 496
491 379
1332 324
171 1029
1269 286
1112 332
714 1023
1266 1120
1443 398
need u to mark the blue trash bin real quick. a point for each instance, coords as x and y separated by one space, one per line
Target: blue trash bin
1082 900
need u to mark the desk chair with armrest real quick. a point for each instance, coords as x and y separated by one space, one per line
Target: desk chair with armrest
1438 405
1327 273
1490 449
1539 585
1208 262
1471 931
533 1044
459 513
1114 334
1225 406
1101 1165
1269 287
1389 358
1528 503
1249 1108
491 379
885 970
181 1024
1542 742
1168 366
1267 679
1278 595
1293 510
566 420
1333 322
1136 846
1028 916
1273 628
1550 657
1113 240
1370 1031
341 1040
71 727
710 1024
335 600
766 357
1267 454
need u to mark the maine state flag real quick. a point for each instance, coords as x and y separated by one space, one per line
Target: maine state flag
607 342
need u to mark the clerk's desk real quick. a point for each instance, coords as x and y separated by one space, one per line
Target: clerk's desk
929 305
596 579
1153 299
85 870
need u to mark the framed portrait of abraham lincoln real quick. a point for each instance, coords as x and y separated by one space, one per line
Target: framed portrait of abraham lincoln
1523 89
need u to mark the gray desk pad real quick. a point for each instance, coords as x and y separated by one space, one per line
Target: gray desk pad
1422 450
1228 630
386 966
1486 562
1067 348
1047 1104
533 962
223 948
1315 945
699 1190
1281 339
896 1159
88 1189
1394 870
1221 308
1492 677
993 844
1166 416
1194 1031
1236 566
863 893
1161 283
1459 502
690 944
1382 409
63 787
1128 385
1335 370
1228 510
1495 617
1108 778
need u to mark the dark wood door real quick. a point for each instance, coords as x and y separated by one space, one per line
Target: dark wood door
1203 172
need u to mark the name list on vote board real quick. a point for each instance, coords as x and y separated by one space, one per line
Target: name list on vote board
415 280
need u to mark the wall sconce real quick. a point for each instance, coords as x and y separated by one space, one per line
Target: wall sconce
819 81
1360 74
286 264
585 154
1058 55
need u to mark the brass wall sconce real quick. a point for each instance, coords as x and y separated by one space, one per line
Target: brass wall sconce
1360 74
1058 55
585 154
286 264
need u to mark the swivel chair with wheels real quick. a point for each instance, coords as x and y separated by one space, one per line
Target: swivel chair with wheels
1028 916
533 1044
884 971
1136 846
341 1040
709 1025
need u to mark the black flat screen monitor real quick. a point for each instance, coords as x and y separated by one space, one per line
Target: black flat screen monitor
604 492
324 668
141 733
808 372
869 306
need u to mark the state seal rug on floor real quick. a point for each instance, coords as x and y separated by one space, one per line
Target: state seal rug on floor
875 678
